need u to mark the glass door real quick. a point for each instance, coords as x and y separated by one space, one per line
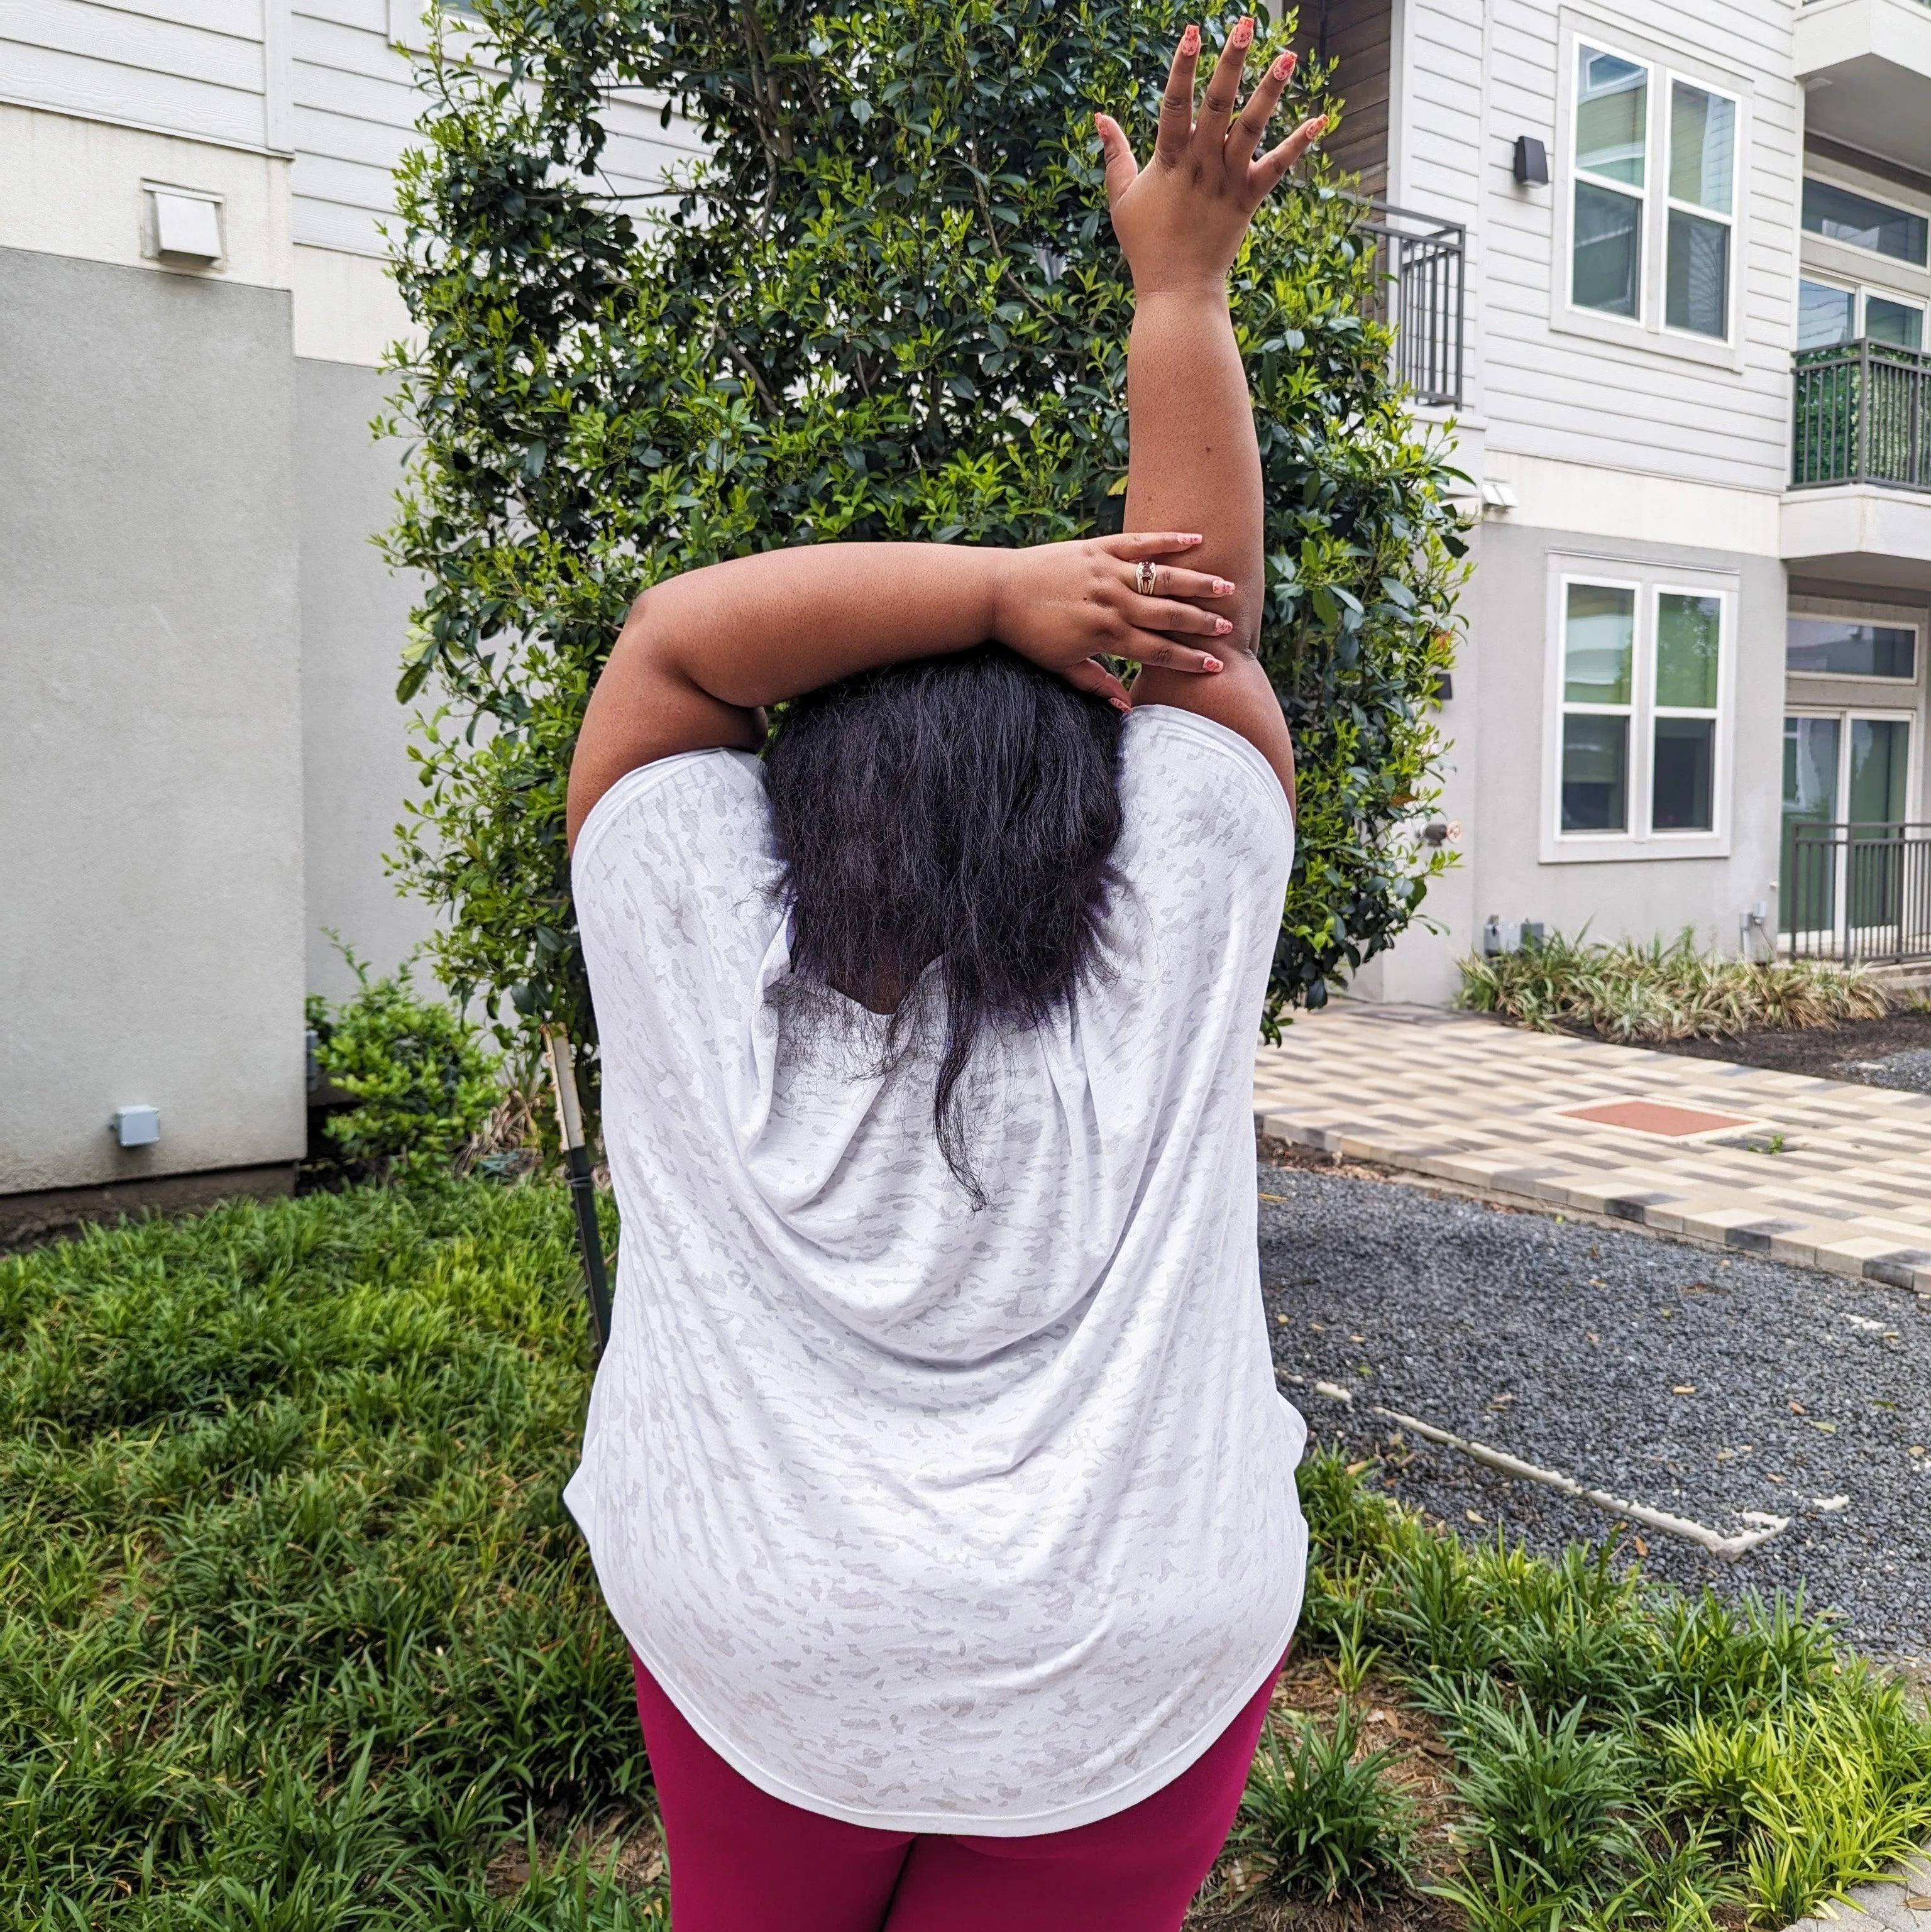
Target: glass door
1841 769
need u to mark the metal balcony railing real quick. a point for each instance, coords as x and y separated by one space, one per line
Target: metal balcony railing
1856 893
1422 271
1863 415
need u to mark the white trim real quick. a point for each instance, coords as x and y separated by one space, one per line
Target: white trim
1887 617
1726 220
278 75
146 127
1639 839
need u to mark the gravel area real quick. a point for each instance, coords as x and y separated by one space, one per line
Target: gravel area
1665 1373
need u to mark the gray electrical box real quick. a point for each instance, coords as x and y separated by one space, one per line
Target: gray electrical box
137 1126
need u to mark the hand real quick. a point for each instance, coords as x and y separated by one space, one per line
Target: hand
1180 223
1065 605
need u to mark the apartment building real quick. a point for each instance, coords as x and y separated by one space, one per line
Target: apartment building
201 757
1665 270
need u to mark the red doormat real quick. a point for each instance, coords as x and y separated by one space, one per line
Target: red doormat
1657 1117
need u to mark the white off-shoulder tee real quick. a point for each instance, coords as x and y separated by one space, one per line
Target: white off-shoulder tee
926 1518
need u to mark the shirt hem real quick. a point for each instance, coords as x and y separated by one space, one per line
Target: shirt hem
1002 1824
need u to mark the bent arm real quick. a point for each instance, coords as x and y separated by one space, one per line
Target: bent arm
701 652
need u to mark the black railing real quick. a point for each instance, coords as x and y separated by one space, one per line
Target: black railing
1856 893
1422 262
1863 415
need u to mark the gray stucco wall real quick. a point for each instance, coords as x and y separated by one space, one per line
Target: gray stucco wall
355 616
151 884
1499 720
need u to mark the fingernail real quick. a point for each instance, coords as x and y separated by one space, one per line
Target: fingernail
1212 664
1243 31
1222 625
1193 537
1119 704
1222 588
1283 67
1190 41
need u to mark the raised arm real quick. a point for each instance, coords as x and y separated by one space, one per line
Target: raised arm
702 653
1194 458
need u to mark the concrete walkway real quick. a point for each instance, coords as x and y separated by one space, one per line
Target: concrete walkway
1821 1174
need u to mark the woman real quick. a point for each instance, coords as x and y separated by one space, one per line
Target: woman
936 1470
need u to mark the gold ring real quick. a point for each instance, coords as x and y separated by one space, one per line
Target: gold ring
1143 580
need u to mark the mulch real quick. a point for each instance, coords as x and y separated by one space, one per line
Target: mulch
1840 1052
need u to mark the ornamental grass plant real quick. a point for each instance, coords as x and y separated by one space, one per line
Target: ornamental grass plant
1625 1756
1658 990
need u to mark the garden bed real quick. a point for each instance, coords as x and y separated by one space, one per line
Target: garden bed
1893 1051
295 1633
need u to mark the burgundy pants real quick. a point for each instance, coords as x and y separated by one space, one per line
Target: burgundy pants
742 1860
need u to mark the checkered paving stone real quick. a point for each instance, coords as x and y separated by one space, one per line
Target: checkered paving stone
1821 1173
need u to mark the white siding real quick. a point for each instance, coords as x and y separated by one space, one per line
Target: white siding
1538 388
356 109
186 66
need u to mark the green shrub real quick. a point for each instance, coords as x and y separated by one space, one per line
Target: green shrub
889 306
1322 1818
421 1082
1630 991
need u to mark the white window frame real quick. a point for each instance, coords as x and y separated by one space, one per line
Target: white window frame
1733 258
1848 715
1646 329
1639 839
1893 617
1858 251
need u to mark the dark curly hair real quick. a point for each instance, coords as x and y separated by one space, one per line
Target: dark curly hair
956 813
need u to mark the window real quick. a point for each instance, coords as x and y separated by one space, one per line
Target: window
1641 685
1691 185
1612 119
1702 161
1841 769
1836 647
1826 315
1599 662
1838 215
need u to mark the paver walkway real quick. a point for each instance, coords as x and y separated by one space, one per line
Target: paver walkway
1820 1173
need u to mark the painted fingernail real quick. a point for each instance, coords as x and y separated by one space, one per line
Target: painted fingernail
1222 625
1283 67
1222 588
1211 664
1243 31
1119 704
1190 41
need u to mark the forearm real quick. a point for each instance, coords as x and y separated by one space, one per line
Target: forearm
1194 462
701 653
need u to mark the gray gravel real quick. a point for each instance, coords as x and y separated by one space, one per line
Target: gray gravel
1663 1373
1910 1070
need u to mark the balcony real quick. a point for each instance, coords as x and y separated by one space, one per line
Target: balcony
1859 506
1857 894
1866 65
1421 261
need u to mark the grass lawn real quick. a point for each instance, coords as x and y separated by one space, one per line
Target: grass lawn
294 1633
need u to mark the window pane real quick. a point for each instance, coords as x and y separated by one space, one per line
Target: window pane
1598 644
1689 631
1865 223
1595 774
1880 748
1682 788
1806 883
1834 647
1612 110
1697 289
1702 146
1896 322
1608 244
1824 315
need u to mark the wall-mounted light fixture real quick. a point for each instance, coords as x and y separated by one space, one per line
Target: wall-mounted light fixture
1532 162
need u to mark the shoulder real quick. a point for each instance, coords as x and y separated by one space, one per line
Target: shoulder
675 808
1192 775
